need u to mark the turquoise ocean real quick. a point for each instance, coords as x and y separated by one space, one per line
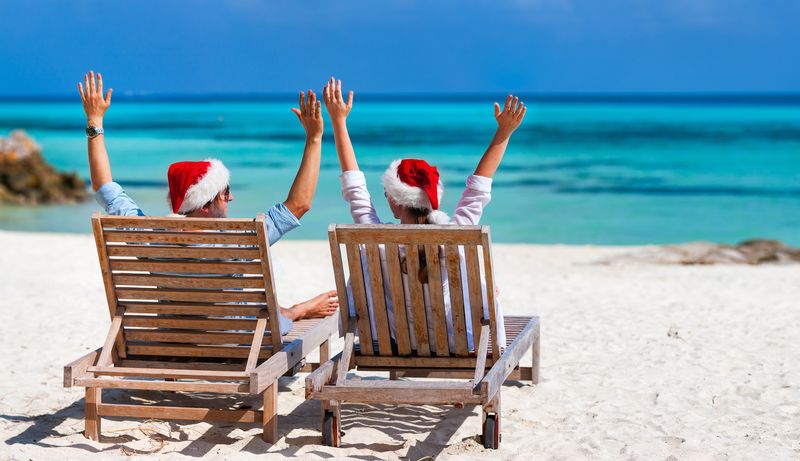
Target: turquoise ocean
579 171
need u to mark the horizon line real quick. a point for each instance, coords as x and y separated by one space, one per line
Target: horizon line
683 97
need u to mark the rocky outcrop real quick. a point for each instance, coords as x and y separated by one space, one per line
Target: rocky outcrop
27 179
756 251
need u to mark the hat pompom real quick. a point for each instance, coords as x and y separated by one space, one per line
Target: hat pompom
438 217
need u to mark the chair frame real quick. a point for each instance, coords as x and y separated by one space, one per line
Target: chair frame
486 368
189 320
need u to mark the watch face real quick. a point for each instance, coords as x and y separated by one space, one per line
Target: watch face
91 131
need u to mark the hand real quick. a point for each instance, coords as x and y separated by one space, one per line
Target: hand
511 116
332 95
94 104
310 115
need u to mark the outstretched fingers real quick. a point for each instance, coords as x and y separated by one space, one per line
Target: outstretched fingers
350 99
80 91
521 114
507 105
108 95
99 85
339 91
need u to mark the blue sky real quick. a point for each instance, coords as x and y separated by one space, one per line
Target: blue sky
545 46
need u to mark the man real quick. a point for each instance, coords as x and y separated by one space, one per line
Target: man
201 189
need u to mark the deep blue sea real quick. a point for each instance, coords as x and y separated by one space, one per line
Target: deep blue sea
579 171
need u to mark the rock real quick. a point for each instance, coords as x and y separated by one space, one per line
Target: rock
27 179
755 251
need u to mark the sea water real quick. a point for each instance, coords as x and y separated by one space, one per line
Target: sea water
576 172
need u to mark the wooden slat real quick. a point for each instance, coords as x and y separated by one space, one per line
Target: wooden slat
161 412
191 309
172 251
191 267
360 298
231 238
378 300
166 281
437 300
400 392
268 276
189 365
168 373
490 289
116 383
175 336
208 296
186 350
426 234
338 275
475 291
150 321
456 300
417 301
148 222
365 361
398 299
105 270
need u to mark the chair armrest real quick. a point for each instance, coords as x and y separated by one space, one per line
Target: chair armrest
325 374
495 378
78 367
282 361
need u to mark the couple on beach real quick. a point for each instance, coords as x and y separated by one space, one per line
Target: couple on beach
412 187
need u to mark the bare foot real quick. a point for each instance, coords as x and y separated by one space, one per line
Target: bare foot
322 305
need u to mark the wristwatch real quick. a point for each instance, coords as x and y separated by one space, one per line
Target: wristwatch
93 131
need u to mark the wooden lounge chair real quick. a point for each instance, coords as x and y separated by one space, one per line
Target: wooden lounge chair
173 286
487 368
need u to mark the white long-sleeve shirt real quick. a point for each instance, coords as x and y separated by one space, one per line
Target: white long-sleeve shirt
468 212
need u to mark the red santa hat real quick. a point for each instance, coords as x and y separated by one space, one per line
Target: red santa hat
193 184
415 184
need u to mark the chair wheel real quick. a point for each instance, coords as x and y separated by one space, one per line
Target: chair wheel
491 433
329 429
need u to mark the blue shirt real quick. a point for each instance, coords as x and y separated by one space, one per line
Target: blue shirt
280 220
116 202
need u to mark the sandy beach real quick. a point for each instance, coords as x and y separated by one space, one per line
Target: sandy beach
639 361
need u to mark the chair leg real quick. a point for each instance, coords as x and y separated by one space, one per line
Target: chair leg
392 375
325 351
92 401
331 423
270 419
535 361
491 423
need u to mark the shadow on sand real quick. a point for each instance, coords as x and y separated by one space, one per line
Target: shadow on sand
402 426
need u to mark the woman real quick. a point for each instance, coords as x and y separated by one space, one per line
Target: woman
414 190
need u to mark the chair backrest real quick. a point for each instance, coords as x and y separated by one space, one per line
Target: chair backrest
177 282
404 247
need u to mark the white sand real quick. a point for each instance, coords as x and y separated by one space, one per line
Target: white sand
639 362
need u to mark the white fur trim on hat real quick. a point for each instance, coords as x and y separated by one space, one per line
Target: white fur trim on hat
203 191
405 195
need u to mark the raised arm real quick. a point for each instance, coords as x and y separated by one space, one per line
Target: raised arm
305 183
338 110
95 106
508 120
